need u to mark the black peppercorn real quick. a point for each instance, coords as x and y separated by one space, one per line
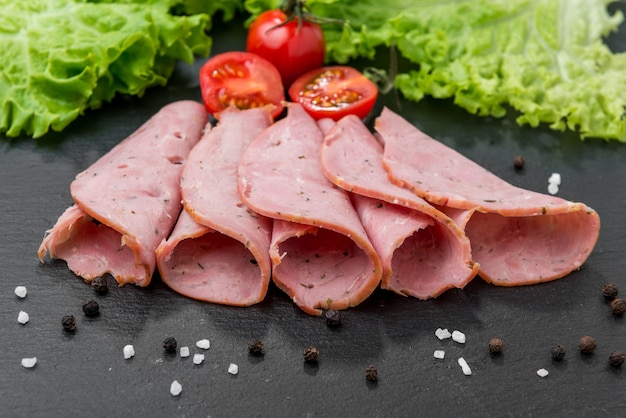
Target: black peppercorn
616 358
170 344
311 354
495 345
333 318
609 291
519 162
69 323
558 352
99 284
618 306
587 344
256 347
371 374
91 308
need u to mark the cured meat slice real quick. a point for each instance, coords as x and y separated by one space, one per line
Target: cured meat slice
423 251
321 255
518 236
219 249
128 200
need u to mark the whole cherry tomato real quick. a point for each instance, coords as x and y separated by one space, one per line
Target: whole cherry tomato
333 92
294 47
241 80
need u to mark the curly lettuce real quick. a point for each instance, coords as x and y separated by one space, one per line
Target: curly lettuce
61 57
545 59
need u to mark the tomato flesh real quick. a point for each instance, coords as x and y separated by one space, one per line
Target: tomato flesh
242 80
293 47
334 92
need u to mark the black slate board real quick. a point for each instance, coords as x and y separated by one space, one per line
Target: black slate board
85 374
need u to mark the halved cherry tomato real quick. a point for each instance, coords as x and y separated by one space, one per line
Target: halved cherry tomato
242 80
294 47
333 92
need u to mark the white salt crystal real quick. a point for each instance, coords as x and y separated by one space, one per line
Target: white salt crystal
442 333
29 362
22 317
464 366
198 358
206 344
439 354
129 351
176 388
20 292
233 368
458 336
553 188
555 178
184 351
542 372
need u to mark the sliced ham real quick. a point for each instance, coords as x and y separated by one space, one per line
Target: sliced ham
321 255
219 249
518 236
128 200
423 251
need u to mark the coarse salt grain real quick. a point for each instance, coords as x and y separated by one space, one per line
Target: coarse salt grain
29 362
176 388
20 292
543 372
129 351
553 188
439 354
464 366
458 336
442 334
184 351
555 178
23 317
198 358
233 368
206 344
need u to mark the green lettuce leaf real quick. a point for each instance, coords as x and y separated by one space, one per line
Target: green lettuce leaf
545 59
61 57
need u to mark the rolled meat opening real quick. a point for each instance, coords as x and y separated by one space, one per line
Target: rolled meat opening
128 200
423 251
321 255
219 249
518 236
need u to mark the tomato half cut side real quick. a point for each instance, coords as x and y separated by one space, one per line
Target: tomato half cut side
242 80
334 92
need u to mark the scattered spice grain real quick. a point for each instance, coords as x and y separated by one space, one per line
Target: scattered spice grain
587 344
518 162
20 292
495 345
371 374
256 347
311 354
616 359
170 345
609 291
91 308
69 323
558 352
333 318
618 306
99 284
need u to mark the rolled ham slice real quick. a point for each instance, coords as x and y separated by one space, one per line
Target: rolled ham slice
321 255
423 251
517 236
219 249
127 202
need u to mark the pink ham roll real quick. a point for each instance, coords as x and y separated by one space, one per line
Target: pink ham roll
219 249
128 200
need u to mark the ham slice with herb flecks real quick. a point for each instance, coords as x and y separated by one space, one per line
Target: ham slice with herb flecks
518 236
219 249
128 200
423 251
321 255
